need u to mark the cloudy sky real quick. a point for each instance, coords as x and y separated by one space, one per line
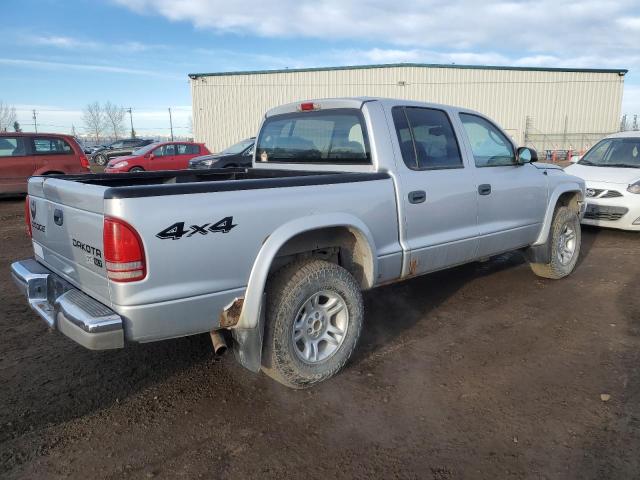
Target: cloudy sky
59 55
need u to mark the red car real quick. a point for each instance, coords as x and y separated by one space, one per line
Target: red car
158 156
25 154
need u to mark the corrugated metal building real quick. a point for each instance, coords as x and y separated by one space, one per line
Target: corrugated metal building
548 108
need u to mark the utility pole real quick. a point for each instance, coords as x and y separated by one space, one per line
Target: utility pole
171 124
133 132
35 120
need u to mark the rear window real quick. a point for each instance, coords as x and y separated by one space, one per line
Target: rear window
12 147
48 146
335 136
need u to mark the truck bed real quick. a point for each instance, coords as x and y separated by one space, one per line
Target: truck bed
180 182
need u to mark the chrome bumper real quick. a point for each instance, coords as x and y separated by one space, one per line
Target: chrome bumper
67 309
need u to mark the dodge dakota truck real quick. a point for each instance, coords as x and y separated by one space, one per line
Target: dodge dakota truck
343 195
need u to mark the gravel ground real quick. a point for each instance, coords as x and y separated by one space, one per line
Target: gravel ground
484 371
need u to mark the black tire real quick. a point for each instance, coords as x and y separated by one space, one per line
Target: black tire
287 291
563 217
136 169
231 165
101 160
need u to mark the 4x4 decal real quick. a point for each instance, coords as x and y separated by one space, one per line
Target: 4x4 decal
177 230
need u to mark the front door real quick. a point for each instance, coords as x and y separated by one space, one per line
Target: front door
15 164
512 198
439 204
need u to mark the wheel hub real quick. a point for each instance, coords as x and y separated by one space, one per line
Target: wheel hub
320 327
566 243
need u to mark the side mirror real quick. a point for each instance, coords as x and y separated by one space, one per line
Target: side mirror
576 158
151 156
526 155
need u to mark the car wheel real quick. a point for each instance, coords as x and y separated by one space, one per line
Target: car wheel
100 160
136 169
314 318
231 165
565 237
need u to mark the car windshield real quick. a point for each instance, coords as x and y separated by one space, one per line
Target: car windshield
145 149
614 152
237 147
331 136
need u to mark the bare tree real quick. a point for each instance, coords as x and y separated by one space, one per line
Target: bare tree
115 119
95 120
7 116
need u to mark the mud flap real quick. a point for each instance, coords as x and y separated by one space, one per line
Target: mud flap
247 343
539 253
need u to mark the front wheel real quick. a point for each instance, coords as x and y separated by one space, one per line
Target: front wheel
136 169
565 237
314 319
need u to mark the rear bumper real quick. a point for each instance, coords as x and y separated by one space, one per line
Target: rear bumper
65 308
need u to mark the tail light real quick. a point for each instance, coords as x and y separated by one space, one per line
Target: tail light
84 161
27 216
123 251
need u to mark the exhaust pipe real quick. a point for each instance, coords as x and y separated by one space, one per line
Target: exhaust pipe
219 343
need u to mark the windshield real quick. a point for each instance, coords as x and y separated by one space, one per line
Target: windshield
332 136
614 152
145 149
237 147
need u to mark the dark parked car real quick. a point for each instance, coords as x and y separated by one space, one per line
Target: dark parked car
119 148
238 155
25 154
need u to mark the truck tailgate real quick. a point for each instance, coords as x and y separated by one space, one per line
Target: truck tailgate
67 223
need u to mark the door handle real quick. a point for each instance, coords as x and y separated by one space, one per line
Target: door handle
484 189
417 196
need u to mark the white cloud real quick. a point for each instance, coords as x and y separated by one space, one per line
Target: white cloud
46 65
73 43
543 33
532 25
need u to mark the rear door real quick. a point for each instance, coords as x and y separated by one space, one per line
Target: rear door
512 198
163 157
16 165
52 154
184 153
437 190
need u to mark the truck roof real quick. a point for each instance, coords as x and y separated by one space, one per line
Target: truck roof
356 102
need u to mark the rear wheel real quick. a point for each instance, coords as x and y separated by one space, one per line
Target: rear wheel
100 160
565 237
314 319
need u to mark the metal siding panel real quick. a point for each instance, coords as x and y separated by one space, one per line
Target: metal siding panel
229 108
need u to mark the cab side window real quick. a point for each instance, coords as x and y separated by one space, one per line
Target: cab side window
491 148
12 147
51 146
426 137
165 151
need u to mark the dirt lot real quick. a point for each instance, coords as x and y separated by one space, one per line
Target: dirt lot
484 371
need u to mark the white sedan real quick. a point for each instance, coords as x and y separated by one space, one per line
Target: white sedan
611 170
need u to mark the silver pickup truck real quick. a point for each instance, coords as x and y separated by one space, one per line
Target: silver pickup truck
344 195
